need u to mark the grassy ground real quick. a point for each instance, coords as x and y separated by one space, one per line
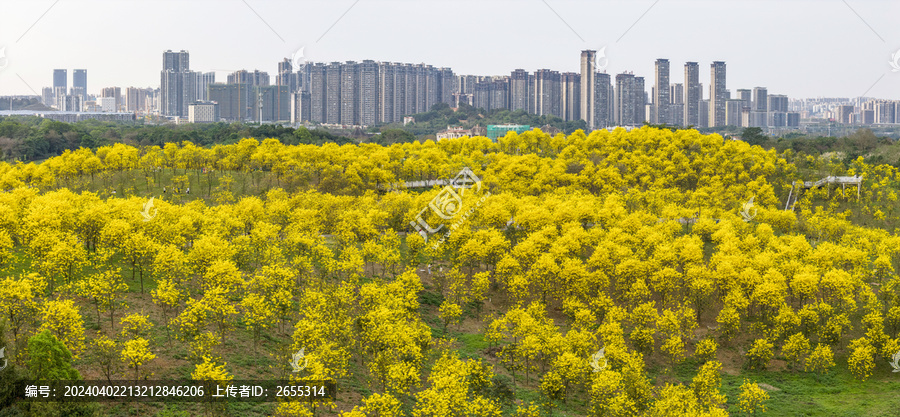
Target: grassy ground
808 394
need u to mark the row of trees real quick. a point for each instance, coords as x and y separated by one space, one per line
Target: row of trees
33 138
863 142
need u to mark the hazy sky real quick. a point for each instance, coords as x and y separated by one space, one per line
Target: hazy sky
802 48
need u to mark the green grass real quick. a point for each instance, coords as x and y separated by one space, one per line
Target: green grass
471 345
807 394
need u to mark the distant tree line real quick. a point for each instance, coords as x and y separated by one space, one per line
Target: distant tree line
442 115
28 138
863 142
22 103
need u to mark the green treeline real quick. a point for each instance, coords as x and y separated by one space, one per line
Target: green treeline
33 138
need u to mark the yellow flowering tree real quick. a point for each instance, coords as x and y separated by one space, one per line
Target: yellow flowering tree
136 353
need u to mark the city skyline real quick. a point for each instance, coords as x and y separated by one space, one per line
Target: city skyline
784 52
272 77
370 93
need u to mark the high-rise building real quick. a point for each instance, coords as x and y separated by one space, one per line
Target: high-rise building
59 98
286 75
630 100
385 93
333 93
446 88
270 103
777 119
301 77
255 78
518 90
466 84
176 61
136 99
693 93
47 96
419 78
757 119
760 99
460 99
885 112
203 112
299 107
866 116
718 94
431 88
676 114
676 93
202 80
317 92
845 113
114 93
367 100
349 93
532 100
426 88
492 94
74 103
79 80
482 96
235 101
603 100
400 90
640 101
410 92
744 95
588 86
777 102
703 113
734 112
500 94
570 96
78 91
177 84
402 103
60 79
547 93
661 99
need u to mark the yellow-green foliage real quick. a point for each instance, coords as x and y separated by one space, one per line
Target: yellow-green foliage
752 398
620 243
